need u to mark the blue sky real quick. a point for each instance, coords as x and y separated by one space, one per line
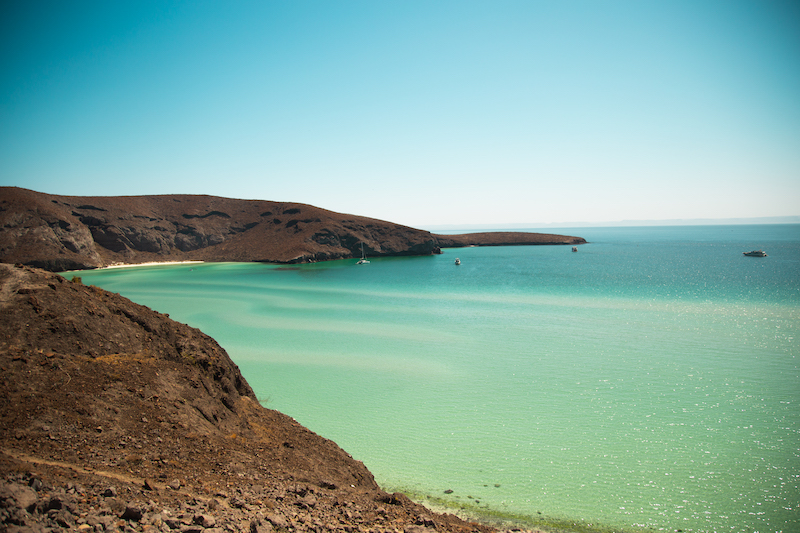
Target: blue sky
418 112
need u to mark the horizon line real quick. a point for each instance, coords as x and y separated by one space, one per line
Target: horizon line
791 219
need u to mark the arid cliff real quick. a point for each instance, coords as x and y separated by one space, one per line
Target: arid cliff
70 232
116 418
60 233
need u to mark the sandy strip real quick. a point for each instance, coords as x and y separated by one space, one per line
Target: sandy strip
151 263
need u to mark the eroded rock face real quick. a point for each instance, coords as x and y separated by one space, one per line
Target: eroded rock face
61 233
65 232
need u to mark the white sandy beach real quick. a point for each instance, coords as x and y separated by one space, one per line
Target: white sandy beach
151 263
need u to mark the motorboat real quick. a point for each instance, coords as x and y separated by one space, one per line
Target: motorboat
458 261
755 253
574 248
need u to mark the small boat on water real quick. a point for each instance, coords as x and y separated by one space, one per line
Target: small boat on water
363 260
458 261
755 253
574 248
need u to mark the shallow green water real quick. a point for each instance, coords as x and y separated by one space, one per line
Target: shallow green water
650 380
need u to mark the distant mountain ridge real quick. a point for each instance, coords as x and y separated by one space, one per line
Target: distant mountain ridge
60 233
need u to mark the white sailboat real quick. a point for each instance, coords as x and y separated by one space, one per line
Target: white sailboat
363 260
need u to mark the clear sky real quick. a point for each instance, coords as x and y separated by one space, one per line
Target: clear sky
417 112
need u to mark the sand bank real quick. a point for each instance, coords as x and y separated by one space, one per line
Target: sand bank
151 263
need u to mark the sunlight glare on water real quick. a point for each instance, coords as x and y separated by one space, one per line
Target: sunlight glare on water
648 381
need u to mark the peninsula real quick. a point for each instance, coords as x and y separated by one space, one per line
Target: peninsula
59 233
117 418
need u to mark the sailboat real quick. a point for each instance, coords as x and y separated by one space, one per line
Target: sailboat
363 260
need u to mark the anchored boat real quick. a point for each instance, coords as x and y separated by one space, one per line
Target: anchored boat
363 260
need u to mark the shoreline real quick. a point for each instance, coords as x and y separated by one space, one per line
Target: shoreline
149 263
491 517
510 520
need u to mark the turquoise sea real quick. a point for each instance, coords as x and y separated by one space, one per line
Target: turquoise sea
650 381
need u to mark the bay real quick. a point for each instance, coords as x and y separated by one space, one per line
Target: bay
649 381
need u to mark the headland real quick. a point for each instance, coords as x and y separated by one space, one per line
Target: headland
115 417
60 233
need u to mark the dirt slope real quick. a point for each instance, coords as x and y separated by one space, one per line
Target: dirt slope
116 418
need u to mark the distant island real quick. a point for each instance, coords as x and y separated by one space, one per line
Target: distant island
59 233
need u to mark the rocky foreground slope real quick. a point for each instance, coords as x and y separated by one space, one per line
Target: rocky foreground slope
61 233
116 418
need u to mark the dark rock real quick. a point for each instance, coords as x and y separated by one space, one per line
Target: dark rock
237 502
277 521
105 522
327 485
62 517
173 523
308 501
425 521
418 529
134 513
396 498
259 526
205 520
62 502
21 496
115 506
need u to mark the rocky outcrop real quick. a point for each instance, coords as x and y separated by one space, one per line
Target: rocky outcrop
32 502
505 238
61 233
116 418
69 232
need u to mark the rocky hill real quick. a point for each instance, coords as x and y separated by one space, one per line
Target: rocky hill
505 238
116 418
60 233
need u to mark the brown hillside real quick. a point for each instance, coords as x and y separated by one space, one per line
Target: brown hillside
75 232
504 238
116 418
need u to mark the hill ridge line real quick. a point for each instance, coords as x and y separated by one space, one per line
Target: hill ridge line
60 233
